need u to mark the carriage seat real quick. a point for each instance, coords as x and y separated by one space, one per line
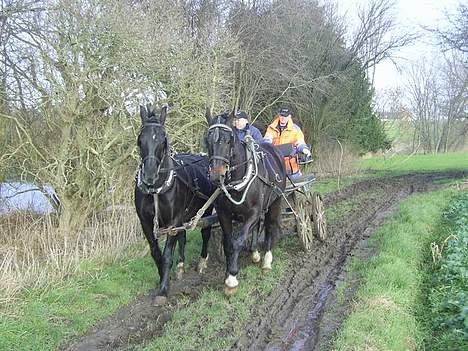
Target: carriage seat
289 151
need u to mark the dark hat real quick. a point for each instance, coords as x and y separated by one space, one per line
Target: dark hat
284 111
242 114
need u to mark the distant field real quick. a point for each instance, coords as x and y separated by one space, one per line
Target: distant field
402 133
416 163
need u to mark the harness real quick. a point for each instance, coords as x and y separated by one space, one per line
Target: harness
253 157
172 171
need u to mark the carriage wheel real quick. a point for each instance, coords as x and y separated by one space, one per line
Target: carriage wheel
318 217
303 224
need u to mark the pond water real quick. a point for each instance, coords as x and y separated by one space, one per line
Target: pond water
17 196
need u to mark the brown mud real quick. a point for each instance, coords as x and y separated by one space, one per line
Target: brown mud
303 312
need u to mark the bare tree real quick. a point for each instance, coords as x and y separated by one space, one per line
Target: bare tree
438 99
456 35
83 73
378 35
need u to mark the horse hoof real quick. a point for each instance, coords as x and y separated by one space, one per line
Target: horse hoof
180 271
266 269
159 300
256 257
267 260
202 265
229 291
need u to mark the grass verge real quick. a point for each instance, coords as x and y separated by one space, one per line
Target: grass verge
384 315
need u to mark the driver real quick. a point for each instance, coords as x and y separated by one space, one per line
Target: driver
242 127
284 131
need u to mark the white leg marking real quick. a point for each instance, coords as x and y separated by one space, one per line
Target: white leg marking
256 256
203 264
231 282
180 270
267 260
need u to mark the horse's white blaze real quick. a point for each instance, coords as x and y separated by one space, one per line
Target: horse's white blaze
203 264
256 256
231 281
267 260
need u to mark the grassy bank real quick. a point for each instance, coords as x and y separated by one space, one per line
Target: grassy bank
385 314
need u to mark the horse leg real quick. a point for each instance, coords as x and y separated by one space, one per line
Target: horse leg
253 247
147 226
203 262
166 264
181 240
237 246
272 228
231 283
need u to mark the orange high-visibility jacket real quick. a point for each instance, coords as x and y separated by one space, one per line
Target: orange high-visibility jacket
292 134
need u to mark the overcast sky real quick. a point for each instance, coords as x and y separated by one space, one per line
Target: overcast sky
411 15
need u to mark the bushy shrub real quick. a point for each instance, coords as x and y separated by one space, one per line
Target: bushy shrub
449 292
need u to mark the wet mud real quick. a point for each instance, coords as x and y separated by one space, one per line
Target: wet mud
303 312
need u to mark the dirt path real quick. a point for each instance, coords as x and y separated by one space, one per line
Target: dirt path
292 317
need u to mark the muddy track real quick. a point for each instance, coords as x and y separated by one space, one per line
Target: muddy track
290 318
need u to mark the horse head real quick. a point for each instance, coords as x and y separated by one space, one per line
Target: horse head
220 144
153 146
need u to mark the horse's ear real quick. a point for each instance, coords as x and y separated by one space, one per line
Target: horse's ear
162 117
230 118
143 114
208 115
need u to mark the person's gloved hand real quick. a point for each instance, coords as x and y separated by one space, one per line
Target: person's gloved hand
306 152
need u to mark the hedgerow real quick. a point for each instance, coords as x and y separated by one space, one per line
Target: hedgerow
448 295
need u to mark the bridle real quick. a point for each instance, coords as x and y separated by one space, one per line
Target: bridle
169 179
252 164
217 127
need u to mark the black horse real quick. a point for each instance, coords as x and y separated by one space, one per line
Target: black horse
174 187
252 178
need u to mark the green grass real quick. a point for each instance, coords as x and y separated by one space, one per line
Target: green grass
416 163
384 315
400 132
44 318
328 185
